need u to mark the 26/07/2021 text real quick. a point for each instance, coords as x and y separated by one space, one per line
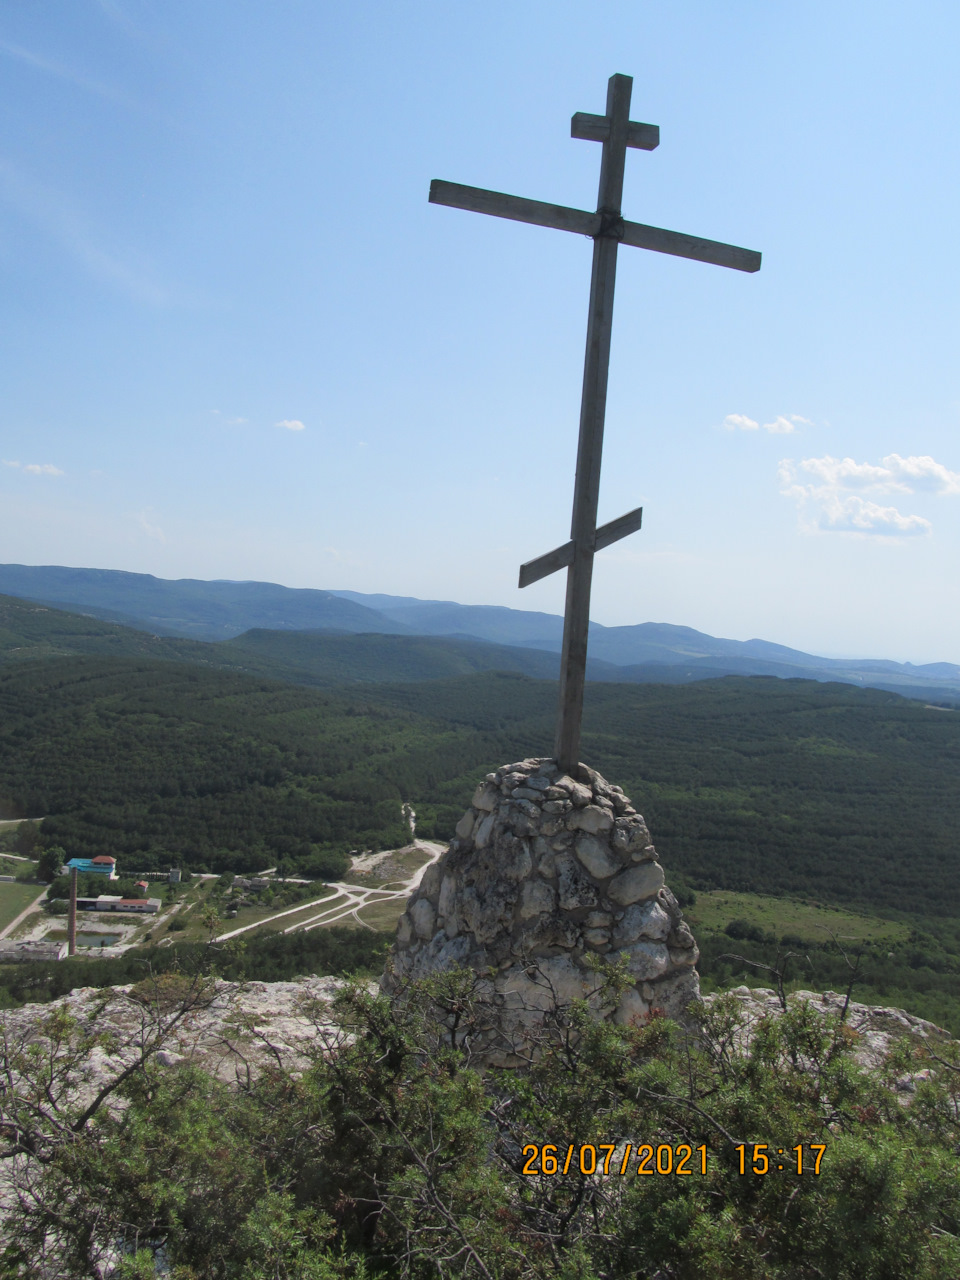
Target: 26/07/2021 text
606 1158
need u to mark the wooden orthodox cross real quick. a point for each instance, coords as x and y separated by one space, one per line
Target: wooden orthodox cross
607 229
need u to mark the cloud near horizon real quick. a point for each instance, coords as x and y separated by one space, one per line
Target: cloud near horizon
781 425
291 424
149 528
36 468
832 503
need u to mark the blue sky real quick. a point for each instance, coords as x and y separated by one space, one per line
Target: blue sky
239 343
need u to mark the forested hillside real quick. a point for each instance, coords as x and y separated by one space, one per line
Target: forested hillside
217 611
155 761
31 631
771 786
754 783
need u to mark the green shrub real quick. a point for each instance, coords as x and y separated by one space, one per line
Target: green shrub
392 1156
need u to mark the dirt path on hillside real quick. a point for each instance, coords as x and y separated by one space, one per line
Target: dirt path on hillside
349 899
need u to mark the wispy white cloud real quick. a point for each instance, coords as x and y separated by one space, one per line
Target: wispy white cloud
782 425
19 54
830 501
151 530
42 469
291 424
230 422
52 211
70 76
36 468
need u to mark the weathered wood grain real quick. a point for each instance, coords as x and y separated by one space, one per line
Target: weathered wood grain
614 530
645 137
683 246
537 212
543 566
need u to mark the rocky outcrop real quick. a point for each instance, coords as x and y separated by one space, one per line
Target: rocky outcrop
549 874
873 1031
232 1030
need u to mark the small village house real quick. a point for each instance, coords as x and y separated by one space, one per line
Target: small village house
102 865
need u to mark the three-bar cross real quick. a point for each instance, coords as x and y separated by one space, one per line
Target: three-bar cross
616 131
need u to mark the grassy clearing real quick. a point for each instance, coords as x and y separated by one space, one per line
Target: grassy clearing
191 916
16 867
780 916
268 918
383 915
15 898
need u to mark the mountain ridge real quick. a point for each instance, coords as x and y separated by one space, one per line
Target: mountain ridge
224 610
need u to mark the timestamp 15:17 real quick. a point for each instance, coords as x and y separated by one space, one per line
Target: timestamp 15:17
762 1162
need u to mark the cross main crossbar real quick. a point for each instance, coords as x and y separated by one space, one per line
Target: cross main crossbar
562 218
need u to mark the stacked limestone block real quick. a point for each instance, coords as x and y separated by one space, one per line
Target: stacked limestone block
546 871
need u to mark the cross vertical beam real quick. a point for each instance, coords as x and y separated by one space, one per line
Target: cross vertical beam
593 405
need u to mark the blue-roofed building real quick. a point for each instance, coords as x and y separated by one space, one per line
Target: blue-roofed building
102 865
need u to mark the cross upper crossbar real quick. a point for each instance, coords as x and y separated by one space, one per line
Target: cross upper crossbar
616 131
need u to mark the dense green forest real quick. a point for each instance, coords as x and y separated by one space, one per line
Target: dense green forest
781 787
820 791
773 786
159 762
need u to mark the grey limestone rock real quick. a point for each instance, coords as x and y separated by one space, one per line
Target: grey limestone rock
643 920
648 960
630 834
638 882
596 856
538 898
485 797
424 917
525 793
447 905
681 936
575 888
575 791
465 825
430 884
484 832
548 872
591 817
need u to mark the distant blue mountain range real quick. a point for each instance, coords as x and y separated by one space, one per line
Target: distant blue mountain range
221 610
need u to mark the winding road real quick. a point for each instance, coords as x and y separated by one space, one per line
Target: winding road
348 899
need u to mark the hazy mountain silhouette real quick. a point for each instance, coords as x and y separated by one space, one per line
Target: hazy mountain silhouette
223 610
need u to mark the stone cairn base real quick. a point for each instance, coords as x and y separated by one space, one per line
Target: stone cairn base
545 872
